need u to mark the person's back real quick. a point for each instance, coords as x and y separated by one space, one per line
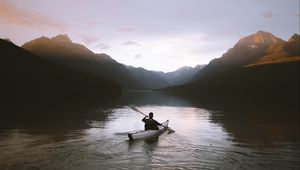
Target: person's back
150 124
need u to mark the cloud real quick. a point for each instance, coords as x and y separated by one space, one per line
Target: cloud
131 43
268 15
26 18
137 56
92 23
126 29
297 14
87 39
103 46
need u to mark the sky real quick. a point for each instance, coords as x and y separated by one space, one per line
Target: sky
161 35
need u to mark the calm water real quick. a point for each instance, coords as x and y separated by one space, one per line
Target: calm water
205 138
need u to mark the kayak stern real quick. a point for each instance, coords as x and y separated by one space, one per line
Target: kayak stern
130 136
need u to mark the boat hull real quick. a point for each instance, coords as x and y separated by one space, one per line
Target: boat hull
149 133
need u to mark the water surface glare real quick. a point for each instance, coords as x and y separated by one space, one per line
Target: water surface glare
204 139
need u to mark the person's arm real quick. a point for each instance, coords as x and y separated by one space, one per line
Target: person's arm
144 119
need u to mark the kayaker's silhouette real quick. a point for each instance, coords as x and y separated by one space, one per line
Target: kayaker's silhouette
150 123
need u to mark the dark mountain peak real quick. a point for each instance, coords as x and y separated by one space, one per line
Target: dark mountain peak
29 79
294 38
62 51
198 67
62 38
42 38
7 39
58 46
184 68
31 44
188 68
259 38
293 45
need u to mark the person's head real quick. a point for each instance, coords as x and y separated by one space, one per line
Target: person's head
150 115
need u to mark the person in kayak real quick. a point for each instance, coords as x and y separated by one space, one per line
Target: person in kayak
150 123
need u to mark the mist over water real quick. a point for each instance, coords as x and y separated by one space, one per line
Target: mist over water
93 136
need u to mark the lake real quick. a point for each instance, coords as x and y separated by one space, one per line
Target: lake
207 136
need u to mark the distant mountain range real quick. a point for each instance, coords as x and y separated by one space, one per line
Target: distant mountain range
61 50
26 77
259 65
159 79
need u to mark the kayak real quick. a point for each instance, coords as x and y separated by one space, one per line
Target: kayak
149 133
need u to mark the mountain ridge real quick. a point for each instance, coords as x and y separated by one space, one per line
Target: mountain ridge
62 38
27 77
268 74
159 79
60 49
256 49
246 52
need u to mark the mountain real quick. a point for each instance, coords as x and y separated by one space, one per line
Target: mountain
255 49
151 79
182 75
7 39
249 49
62 38
60 49
292 46
159 79
28 78
284 51
259 67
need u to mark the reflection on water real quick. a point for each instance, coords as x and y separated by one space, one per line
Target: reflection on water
94 137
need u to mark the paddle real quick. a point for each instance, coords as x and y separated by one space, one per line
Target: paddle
135 109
